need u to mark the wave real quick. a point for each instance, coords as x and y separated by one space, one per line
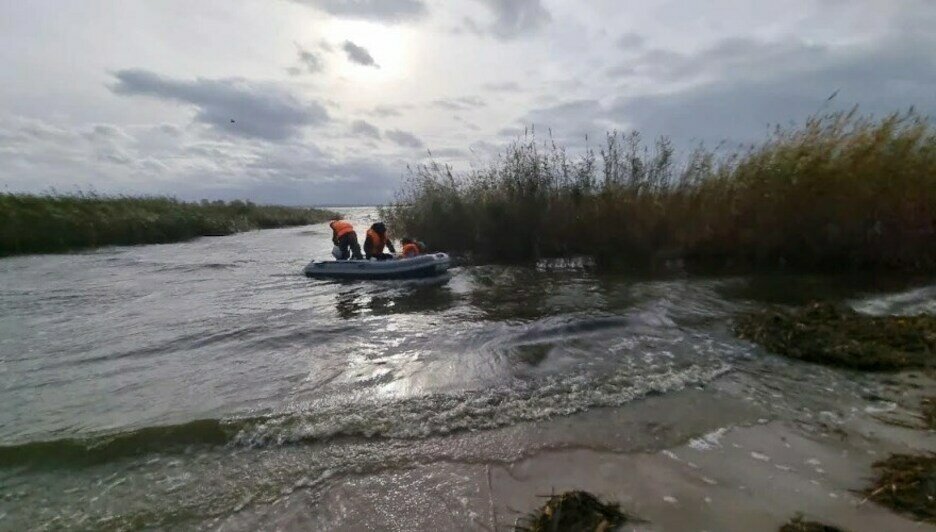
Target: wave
101 448
411 418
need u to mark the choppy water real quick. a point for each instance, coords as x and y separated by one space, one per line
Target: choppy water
179 385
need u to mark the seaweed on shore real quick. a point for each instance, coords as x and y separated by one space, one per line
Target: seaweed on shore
576 511
906 484
928 412
837 336
799 524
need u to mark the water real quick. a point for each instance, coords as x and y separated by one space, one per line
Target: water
197 384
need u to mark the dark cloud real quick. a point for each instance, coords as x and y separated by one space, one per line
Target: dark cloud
468 124
385 110
735 57
404 138
571 121
362 128
448 152
108 144
358 54
629 41
742 87
460 104
512 18
307 174
160 159
483 149
389 11
511 132
507 86
309 61
234 106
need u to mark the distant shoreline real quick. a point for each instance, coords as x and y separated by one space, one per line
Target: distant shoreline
58 223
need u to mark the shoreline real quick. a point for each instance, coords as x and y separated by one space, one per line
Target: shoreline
703 459
42 224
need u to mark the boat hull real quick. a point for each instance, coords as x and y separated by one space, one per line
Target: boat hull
421 267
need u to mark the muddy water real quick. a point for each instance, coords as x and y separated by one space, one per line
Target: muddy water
209 384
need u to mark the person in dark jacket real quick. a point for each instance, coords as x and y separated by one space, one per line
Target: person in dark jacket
376 240
345 238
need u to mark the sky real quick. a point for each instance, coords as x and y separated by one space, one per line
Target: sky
316 102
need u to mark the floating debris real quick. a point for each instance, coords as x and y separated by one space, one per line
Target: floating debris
799 524
837 336
906 484
576 511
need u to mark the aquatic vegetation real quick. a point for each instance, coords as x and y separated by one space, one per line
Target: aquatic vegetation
836 336
576 511
800 524
906 484
54 222
841 192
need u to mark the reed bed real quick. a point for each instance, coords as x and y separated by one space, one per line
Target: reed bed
841 192
50 223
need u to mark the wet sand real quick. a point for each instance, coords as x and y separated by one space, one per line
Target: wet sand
700 459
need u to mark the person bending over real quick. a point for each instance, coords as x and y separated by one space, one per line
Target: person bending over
376 240
410 248
345 238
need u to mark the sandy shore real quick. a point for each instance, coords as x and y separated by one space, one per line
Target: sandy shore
700 459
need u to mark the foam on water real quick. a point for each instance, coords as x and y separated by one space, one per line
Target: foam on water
421 417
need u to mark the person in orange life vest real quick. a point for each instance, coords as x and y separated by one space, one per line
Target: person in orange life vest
345 238
410 249
376 240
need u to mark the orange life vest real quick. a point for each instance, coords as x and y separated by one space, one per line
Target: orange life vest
378 241
410 250
341 228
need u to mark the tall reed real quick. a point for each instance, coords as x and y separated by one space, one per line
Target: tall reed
840 192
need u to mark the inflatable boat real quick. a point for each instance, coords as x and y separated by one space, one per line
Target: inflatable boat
419 267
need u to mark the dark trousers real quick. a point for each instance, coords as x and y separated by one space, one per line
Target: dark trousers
379 256
347 242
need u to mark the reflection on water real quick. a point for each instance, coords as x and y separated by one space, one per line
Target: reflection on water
222 378
354 299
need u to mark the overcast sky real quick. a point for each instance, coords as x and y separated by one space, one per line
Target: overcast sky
326 101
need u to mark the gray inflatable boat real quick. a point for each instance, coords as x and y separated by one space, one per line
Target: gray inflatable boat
419 267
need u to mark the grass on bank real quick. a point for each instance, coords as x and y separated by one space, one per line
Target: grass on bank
841 192
51 223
